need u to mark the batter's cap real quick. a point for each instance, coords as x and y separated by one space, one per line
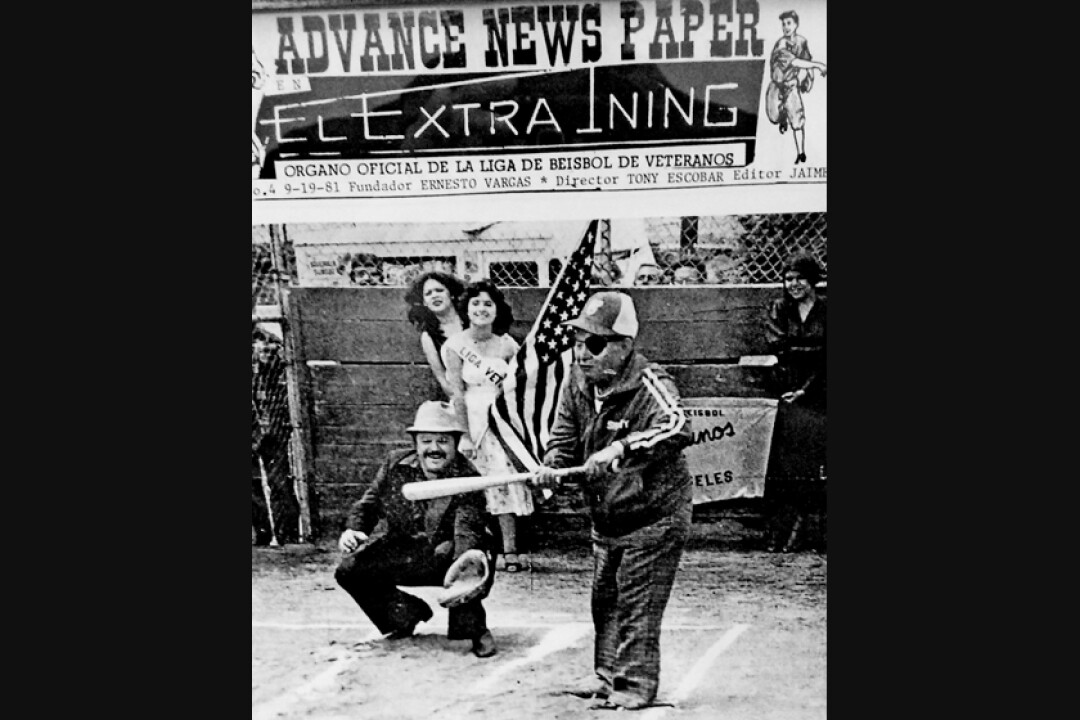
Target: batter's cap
609 314
437 417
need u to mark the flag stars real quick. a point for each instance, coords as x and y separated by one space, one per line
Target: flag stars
538 367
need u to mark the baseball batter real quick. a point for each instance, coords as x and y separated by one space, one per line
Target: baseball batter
623 416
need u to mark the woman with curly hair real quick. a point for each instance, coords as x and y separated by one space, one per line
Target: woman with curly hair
433 308
477 361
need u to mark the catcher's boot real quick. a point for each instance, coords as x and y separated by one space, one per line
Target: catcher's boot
484 646
407 630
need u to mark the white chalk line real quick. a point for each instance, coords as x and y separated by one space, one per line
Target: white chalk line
280 705
305 626
698 672
503 626
560 638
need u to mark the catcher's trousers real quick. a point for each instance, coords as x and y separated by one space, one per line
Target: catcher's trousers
372 575
632 583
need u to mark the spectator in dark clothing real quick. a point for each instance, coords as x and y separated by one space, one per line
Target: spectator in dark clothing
795 331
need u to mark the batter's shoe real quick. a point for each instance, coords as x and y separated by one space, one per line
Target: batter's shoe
484 646
625 701
592 690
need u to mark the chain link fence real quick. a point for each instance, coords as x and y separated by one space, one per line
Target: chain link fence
704 250
734 250
275 508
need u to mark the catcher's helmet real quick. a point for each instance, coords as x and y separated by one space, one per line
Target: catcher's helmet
437 417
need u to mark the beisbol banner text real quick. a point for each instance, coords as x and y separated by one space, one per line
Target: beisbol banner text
476 98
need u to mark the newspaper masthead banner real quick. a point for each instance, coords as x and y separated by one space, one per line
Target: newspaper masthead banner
495 98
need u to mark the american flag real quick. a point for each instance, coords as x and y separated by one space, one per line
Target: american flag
523 414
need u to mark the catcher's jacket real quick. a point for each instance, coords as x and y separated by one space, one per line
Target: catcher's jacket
460 519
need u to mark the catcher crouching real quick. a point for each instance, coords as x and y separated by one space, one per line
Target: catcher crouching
444 542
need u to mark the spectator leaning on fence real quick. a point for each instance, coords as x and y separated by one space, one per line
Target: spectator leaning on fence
795 331
722 269
622 417
688 272
648 274
433 300
366 270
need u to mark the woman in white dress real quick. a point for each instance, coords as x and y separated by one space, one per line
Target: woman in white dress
477 361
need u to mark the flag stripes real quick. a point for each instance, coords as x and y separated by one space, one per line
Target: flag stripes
525 410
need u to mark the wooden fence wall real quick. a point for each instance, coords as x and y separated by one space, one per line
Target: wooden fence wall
363 374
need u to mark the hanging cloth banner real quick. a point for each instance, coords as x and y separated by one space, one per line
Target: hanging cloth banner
732 440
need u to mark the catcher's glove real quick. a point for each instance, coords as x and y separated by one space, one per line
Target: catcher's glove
466 579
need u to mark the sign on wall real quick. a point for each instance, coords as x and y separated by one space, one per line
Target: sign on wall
730 452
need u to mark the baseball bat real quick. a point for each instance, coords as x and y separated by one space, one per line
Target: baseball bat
445 487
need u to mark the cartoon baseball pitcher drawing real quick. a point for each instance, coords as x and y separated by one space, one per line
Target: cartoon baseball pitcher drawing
258 80
792 75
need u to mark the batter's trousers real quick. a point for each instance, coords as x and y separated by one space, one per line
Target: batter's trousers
632 583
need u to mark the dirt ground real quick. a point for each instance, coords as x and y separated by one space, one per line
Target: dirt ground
744 638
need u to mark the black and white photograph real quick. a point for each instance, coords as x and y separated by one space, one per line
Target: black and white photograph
539 303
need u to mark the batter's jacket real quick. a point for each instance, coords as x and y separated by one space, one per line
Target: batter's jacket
644 412
425 525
